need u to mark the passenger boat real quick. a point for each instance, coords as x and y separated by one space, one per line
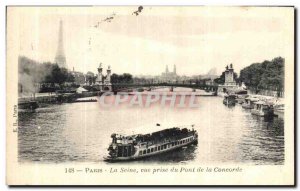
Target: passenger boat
249 102
229 100
124 148
263 109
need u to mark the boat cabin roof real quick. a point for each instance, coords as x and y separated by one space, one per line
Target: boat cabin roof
230 95
261 103
252 98
155 135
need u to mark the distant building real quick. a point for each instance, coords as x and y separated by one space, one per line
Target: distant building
230 83
90 74
104 82
60 57
169 76
79 77
229 76
90 78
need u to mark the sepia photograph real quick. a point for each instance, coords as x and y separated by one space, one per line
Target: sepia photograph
180 95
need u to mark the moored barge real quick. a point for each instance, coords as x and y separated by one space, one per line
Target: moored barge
249 102
124 148
263 109
230 99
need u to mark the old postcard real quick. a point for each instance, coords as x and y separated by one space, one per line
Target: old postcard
150 95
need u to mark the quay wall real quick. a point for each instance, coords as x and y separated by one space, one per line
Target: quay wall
252 91
54 98
270 93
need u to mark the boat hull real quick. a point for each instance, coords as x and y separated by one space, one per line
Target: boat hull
240 100
261 113
229 102
247 106
139 157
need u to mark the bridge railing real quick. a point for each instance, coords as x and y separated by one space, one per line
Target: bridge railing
132 85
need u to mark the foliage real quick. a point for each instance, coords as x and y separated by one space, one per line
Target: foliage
265 75
123 78
91 79
43 72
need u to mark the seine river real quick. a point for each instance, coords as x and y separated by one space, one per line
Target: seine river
80 132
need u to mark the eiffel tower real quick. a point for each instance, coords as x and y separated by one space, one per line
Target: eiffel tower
60 57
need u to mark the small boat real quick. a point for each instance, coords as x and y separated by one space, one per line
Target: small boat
249 102
229 100
263 109
133 147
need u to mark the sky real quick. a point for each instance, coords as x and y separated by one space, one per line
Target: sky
195 39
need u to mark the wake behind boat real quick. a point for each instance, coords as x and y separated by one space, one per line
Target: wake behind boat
124 148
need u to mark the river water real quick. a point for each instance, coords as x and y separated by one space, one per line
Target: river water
80 132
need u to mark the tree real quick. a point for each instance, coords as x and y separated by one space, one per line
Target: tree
114 78
58 75
123 78
91 79
265 75
70 78
32 72
221 79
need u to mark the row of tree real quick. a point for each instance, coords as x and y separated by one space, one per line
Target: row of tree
51 73
268 75
43 72
125 78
